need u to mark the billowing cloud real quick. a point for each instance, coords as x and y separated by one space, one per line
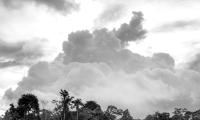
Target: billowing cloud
63 6
133 30
142 84
95 65
179 25
20 53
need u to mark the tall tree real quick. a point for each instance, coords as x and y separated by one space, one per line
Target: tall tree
158 116
46 115
28 106
112 112
58 110
66 101
77 103
179 113
93 110
12 113
126 115
92 105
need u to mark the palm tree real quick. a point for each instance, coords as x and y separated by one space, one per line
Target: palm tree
77 103
66 99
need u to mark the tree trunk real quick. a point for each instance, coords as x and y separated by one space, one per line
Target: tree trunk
65 110
77 112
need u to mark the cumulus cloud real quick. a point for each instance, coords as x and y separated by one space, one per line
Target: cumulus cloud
133 30
95 65
177 25
20 53
63 6
147 84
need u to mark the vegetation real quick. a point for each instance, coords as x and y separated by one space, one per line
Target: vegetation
68 108
27 109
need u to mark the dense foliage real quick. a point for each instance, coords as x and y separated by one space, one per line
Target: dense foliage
69 108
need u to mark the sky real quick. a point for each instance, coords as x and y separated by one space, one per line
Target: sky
137 54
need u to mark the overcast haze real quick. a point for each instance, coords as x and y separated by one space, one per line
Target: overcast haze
137 54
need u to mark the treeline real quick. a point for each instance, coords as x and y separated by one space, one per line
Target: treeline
70 108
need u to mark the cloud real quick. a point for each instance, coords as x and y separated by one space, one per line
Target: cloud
8 64
20 53
63 6
174 2
132 31
147 84
83 46
178 25
110 13
96 66
195 63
